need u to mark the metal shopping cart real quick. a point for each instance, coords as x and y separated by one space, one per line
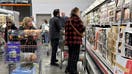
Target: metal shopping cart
2 45
23 55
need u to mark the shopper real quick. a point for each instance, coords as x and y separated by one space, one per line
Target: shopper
45 31
55 28
9 26
63 19
74 29
26 24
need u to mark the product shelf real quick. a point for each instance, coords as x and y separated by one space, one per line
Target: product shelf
103 64
91 66
110 34
121 67
128 46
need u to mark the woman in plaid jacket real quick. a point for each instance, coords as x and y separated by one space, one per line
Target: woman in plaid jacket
73 40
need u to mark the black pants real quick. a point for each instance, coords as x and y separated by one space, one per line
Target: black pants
74 51
54 45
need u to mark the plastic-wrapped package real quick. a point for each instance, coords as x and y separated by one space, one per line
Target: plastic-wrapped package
26 68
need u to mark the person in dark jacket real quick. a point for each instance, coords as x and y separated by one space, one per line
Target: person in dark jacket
9 26
54 30
73 40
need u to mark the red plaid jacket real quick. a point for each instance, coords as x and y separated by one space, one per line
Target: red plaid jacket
71 37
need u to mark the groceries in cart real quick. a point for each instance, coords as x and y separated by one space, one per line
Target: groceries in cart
28 57
25 68
22 50
29 44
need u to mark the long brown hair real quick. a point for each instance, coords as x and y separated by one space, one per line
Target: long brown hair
45 21
74 11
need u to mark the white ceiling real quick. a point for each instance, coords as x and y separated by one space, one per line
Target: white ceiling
47 6
84 3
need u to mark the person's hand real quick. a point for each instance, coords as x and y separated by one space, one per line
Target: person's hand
84 34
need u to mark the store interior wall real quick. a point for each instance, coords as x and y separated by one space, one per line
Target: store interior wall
47 6
41 17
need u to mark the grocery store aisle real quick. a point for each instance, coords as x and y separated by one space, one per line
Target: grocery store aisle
46 67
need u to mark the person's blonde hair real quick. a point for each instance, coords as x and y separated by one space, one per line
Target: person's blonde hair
25 21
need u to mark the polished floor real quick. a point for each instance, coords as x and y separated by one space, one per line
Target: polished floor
3 66
46 67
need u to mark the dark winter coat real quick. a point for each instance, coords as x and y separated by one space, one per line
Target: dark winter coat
13 27
23 28
54 28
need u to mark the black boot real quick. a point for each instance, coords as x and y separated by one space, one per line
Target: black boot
67 71
54 64
73 72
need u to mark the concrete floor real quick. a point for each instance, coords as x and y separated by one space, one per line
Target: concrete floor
3 67
48 69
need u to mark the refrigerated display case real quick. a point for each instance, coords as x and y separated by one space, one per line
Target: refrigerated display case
109 42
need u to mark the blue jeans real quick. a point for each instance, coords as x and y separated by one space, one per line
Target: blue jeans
46 34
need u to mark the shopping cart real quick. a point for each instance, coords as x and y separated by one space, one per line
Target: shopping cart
23 55
64 53
2 46
32 56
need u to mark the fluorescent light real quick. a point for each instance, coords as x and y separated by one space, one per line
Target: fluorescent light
95 4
